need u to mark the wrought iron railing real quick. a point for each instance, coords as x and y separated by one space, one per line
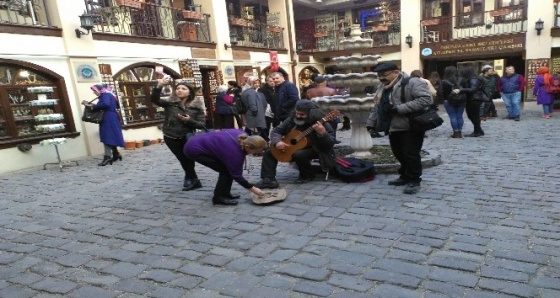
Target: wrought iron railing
150 20
475 24
382 36
25 12
257 34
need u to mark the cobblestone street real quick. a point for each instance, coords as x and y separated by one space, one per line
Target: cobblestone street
486 223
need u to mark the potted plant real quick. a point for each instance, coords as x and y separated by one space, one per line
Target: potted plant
130 3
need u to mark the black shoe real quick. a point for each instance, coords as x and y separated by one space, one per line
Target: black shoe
303 180
398 182
411 188
267 183
475 135
191 184
224 201
516 119
234 197
117 156
106 160
337 142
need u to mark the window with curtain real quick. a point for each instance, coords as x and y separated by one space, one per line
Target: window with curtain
470 13
510 10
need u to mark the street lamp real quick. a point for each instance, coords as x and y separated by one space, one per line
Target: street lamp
86 22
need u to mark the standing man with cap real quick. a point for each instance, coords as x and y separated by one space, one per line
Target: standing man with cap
489 81
321 142
405 142
510 86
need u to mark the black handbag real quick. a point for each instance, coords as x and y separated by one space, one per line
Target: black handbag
92 116
429 119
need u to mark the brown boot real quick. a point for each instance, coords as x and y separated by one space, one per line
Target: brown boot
459 135
455 134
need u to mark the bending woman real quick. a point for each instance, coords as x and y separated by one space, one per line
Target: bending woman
110 130
224 152
183 115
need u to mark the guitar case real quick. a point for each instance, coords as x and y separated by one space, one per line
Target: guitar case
351 170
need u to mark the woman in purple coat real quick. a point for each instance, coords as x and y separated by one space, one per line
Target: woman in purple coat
224 152
543 79
110 130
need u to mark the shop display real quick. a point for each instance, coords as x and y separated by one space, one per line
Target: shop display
43 112
326 32
190 71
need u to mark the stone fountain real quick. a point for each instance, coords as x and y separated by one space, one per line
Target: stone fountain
357 104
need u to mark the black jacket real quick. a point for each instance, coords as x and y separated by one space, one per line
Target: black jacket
323 145
174 127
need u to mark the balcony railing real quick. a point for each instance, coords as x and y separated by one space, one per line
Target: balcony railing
25 12
151 20
257 34
330 40
475 24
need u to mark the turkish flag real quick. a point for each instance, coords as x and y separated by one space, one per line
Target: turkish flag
273 60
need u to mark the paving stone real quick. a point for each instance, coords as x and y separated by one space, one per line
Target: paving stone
90 291
449 289
392 278
125 270
505 287
17 292
313 288
394 291
55 286
350 282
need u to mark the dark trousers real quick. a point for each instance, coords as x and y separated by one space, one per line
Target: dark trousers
473 113
492 110
302 158
406 146
223 186
224 121
238 120
176 147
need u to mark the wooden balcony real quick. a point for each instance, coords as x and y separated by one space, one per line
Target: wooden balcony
509 20
257 34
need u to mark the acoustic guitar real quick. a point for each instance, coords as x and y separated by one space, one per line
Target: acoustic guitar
297 140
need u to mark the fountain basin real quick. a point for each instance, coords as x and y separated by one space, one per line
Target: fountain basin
355 61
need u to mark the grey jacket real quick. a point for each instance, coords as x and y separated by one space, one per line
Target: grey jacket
417 98
255 101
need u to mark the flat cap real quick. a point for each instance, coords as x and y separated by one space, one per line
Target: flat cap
385 66
320 79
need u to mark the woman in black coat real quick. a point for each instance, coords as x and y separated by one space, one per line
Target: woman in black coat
473 90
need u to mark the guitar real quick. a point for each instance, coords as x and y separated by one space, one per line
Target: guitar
297 140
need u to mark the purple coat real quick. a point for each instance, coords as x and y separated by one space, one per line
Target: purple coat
110 130
221 146
539 91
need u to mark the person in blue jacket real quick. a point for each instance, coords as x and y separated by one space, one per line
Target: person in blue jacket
224 152
110 130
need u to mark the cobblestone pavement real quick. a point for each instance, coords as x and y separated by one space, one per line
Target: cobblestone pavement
485 224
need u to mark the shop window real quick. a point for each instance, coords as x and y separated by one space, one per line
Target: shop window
436 9
470 13
509 10
135 86
32 107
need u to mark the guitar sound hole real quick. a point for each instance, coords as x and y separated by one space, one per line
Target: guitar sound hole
293 141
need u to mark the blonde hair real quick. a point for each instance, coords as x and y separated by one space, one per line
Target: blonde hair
253 142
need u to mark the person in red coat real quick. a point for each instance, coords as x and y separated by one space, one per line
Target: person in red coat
110 130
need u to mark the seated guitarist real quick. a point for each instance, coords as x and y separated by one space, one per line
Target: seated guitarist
320 143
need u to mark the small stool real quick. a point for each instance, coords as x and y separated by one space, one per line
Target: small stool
55 142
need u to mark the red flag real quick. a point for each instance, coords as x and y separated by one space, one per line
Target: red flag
273 60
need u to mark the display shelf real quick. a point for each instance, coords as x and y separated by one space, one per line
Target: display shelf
43 102
24 118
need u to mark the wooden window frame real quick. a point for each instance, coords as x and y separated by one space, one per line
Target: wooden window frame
461 15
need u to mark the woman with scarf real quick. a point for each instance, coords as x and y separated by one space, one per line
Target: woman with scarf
184 113
110 130
544 79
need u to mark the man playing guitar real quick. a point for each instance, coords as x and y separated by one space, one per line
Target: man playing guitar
318 143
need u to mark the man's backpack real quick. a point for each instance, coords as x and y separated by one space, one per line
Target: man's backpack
455 99
554 86
240 107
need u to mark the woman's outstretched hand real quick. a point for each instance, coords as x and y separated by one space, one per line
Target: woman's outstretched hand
257 191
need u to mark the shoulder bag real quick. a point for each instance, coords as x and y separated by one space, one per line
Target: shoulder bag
92 116
424 120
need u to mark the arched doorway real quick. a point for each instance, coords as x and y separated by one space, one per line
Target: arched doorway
306 75
135 85
34 104
267 71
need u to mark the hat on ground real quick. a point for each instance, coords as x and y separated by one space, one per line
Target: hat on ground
486 67
320 79
385 66
270 196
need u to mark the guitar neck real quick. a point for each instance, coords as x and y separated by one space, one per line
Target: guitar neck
310 128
